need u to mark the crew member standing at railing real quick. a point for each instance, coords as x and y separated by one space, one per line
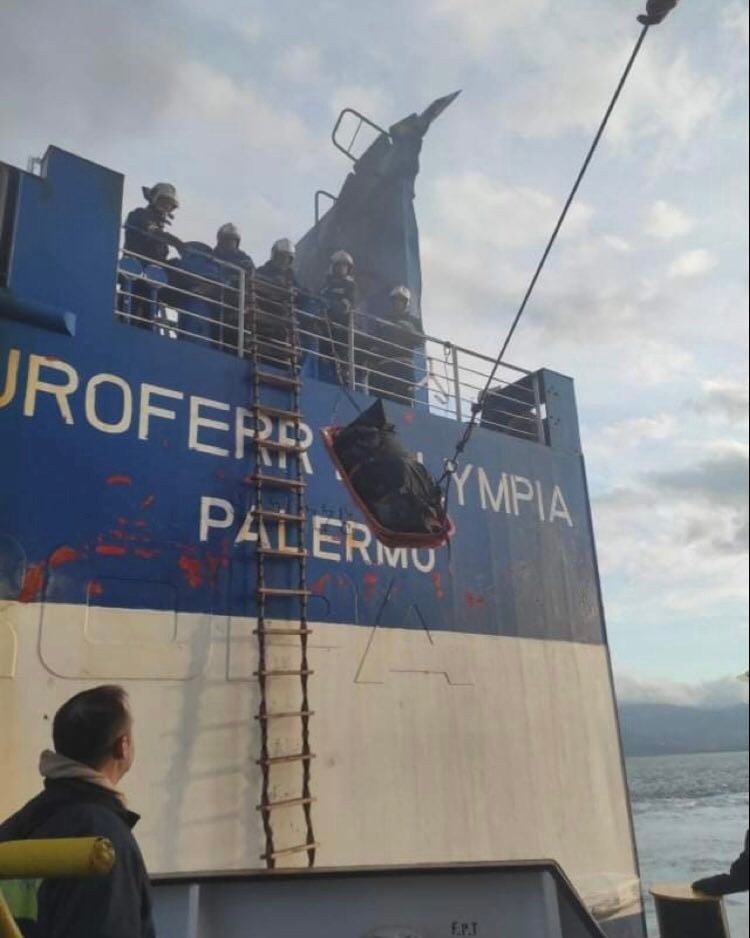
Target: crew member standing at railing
339 297
227 250
392 373
145 232
276 287
147 238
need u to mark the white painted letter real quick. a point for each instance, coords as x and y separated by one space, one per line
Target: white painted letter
11 377
521 496
61 392
207 522
460 479
394 558
127 404
358 544
558 508
428 566
147 409
319 538
496 500
196 422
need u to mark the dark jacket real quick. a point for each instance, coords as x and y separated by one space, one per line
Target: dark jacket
736 880
234 256
117 905
145 235
339 295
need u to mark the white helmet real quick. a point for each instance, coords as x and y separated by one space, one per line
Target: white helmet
342 257
162 190
283 246
228 231
403 292
393 931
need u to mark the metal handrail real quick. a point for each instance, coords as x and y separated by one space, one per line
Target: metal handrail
217 312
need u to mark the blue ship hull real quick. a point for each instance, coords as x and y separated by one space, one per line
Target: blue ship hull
125 507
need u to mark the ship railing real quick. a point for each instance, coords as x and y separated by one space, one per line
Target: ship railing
216 303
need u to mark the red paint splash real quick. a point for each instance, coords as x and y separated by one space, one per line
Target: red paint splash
63 555
119 480
33 583
437 582
116 534
473 599
192 570
95 588
148 501
122 521
140 523
408 416
146 554
370 581
110 550
319 586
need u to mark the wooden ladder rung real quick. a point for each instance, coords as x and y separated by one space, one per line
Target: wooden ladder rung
269 515
283 381
280 853
276 411
282 552
275 447
271 481
278 760
282 673
286 803
280 592
274 631
284 714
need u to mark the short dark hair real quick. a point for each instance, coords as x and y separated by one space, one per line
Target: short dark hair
86 726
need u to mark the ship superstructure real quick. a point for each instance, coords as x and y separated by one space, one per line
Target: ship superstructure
170 521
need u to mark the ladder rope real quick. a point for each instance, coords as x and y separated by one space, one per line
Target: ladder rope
296 519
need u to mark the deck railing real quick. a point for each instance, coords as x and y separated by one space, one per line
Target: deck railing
201 299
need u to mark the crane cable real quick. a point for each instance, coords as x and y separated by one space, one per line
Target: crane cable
477 406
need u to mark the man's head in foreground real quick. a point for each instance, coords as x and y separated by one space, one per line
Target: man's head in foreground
95 728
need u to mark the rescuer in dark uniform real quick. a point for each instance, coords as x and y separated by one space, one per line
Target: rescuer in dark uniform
146 238
227 250
145 227
392 373
276 289
339 298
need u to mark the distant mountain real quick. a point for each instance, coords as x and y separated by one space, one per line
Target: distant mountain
650 729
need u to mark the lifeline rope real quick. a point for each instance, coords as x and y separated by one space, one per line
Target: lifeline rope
476 408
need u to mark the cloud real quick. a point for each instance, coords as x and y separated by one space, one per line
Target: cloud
665 221
300 63
693 263
479 24
719 692
372 100
729 399
722 477
735 19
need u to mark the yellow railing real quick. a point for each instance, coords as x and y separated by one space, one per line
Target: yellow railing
39 859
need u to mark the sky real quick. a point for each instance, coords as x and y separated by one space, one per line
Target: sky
644 300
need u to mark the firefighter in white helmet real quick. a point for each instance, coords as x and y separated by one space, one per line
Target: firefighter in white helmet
339 297
148 242
145 232
276 289
227 247
391 360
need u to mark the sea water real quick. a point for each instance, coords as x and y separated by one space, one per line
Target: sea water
690 814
